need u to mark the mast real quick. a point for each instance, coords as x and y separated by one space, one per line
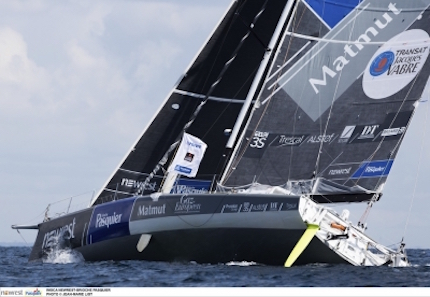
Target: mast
260 76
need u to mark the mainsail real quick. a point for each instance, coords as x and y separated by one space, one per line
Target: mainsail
250 24
339 96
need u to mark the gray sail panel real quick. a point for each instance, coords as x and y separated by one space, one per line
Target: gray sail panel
348 131
216 115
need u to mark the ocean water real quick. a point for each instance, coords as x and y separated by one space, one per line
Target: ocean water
68 269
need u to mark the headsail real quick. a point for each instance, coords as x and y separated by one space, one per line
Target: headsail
339 96
222 108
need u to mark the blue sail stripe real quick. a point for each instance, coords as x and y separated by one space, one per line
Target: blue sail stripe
333 11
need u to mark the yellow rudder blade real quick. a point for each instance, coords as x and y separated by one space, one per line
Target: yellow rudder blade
302 244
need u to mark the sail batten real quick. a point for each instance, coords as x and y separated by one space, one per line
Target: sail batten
201 96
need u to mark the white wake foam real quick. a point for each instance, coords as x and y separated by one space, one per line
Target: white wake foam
63 256
242 263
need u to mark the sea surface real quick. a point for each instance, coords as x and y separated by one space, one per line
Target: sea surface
68 269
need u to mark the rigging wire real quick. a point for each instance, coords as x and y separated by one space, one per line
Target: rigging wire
375 199
17 230
373 154
296 21
320 150
241 152
418 171
44 212
297 109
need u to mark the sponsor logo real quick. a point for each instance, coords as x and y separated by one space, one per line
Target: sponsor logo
35 292
351 51
183 169
249 207
151 210
131 183
192 144
246 207
183 189
291 140
258 207
346 134
382 63
321 138
230 208
274 206
187 186
110 220
340 171
259 139
290 206
373 169
393 127
396 64
187 205
393 132
12 292
106 220
189 157
51 238
368 132
407 61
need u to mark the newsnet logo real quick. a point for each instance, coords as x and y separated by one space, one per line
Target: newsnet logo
131 183
340 171
11 292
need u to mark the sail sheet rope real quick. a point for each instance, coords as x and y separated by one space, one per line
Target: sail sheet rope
366 213
173 146
424 133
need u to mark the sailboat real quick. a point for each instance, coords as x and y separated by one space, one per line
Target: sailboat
289 108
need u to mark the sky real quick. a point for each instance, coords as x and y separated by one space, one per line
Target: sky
80 80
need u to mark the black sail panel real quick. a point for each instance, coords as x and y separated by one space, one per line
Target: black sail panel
340 95
220 111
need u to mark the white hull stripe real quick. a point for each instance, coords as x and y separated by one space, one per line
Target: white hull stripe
287 220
